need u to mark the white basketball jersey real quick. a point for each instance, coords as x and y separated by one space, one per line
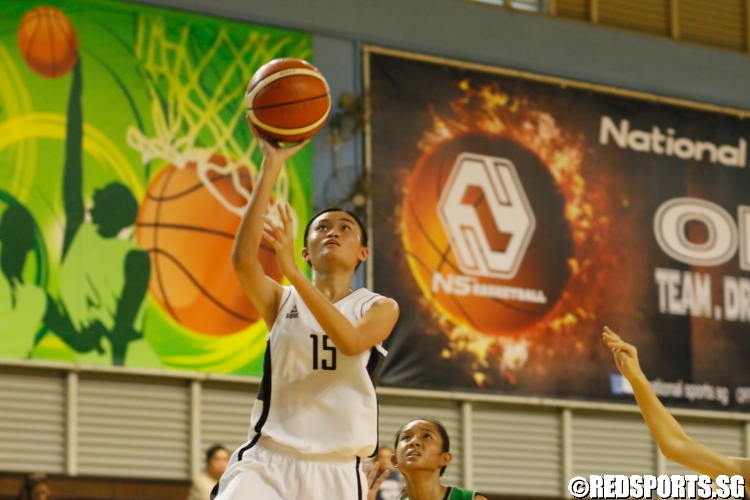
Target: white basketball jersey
313 398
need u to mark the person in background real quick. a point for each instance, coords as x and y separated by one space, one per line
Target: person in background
392 484
35 488
217 458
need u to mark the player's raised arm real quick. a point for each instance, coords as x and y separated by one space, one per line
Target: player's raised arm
263 291
333 235
667 432
351 338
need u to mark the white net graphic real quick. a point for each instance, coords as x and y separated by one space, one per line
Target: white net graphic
196 80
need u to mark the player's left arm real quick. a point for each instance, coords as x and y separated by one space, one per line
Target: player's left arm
350 338
479 497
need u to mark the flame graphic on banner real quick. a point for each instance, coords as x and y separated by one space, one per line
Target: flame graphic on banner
490 111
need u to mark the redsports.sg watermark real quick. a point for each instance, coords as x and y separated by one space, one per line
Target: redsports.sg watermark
685 487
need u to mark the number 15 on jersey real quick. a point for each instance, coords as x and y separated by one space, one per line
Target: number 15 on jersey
319 353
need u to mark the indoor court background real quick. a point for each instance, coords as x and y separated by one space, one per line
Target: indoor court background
106 432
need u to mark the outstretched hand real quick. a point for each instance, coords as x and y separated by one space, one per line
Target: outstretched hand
626 355
373 481
281 237
272 151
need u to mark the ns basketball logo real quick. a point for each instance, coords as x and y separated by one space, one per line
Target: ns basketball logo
485 211
489 247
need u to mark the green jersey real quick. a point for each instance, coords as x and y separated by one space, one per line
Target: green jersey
454 493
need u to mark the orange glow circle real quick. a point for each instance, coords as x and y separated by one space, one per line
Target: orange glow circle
465 301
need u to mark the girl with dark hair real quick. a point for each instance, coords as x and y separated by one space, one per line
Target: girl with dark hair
217 457
316 415
422 454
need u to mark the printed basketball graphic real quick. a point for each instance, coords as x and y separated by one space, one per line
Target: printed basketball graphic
485 233
189 235
48 42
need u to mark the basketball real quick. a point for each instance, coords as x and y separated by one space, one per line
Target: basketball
189 235
48 42
288 100
434 263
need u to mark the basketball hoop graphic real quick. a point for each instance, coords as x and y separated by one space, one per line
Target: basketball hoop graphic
484 210
207 164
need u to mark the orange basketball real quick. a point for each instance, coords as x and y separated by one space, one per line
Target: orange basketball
189 235
48 42
288 100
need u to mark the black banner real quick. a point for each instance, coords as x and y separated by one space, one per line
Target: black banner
513 218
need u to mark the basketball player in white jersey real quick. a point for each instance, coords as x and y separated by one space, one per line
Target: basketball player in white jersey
316 415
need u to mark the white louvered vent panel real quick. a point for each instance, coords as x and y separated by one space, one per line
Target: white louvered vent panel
134 428
225 414
516 452
608 443
719 22
573 9
726 438
645 16
527 5
395 412
32 421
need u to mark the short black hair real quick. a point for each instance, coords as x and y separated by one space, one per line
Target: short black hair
338 209
441 429
212 451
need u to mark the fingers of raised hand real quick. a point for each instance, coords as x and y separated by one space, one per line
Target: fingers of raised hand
269 223
620 346
269 237
372 471
380 480
298 146
267 145
301 145
285 213
288 211
609 333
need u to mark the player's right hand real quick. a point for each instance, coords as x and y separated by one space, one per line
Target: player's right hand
626 355
272 151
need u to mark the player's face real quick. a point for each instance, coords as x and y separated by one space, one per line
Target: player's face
420 447
334 236
218 464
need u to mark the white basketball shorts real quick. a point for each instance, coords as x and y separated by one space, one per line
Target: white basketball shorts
265 470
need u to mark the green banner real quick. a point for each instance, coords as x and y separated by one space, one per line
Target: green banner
125 164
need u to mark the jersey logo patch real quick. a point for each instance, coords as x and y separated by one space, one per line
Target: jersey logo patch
293 314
